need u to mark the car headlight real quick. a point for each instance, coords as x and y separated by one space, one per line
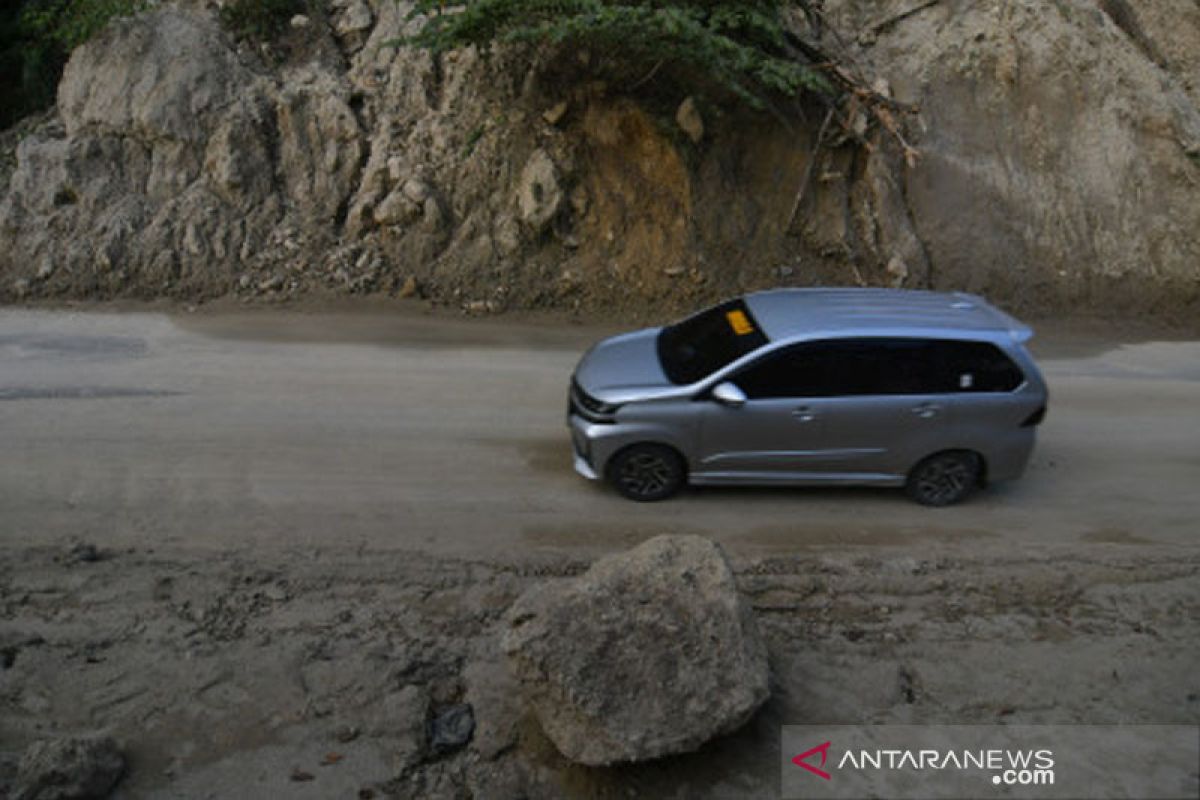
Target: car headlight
592 408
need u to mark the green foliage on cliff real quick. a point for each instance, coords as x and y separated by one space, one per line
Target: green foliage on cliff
36 36
70 23
742 47
261 20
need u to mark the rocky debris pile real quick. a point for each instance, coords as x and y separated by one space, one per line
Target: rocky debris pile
73 768
342 674
651 652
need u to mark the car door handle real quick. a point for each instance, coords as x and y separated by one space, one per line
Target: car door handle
927 410
804 414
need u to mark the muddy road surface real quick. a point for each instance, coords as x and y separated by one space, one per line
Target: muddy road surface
446 435
262 550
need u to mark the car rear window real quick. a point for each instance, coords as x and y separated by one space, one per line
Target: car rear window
703 343
979 367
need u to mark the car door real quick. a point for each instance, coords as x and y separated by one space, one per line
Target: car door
891 407
778 433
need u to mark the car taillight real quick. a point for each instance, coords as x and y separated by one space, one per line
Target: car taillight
1035 418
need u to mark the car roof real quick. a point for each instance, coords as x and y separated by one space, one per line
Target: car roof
798 313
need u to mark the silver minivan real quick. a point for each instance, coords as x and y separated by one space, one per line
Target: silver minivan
931 391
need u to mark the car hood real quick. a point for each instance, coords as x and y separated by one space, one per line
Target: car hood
624 368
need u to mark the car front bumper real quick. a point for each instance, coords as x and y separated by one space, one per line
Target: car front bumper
581 445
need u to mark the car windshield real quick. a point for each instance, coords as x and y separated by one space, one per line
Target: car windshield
703 343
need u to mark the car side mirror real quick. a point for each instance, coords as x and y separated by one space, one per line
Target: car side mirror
728 394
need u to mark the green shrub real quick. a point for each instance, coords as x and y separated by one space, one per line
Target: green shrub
70 23
261 20
737 46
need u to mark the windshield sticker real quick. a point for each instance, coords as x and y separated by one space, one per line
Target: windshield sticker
739 322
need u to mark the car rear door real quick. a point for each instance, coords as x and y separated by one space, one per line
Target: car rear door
891 407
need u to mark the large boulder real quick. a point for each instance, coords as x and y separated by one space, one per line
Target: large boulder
649 653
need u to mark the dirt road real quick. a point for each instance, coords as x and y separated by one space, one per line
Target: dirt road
447 436
261 550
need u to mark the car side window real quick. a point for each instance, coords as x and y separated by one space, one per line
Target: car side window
793 372
879 366
979 367
840 367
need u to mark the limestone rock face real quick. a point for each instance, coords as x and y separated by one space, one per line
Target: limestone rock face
649 653
160 176
1060 150
1055 165
169 79
321 145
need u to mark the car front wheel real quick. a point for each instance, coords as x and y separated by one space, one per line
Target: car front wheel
647 472
944 478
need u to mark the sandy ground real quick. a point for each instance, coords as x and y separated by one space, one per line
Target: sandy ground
306 526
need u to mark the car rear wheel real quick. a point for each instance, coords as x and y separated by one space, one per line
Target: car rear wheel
944 478
647 472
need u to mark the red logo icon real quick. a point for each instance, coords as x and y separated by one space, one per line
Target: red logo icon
823 749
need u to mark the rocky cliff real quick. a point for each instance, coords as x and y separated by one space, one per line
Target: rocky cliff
1057 166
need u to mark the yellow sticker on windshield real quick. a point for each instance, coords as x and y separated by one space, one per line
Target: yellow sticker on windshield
739 322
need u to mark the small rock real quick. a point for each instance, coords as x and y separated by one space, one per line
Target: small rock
271 284
395 209
395 168
451 728
83 553
579 201
432 212
506 235
688 118
73 768
539 194
300 21
300 776
345 733
357 17
416 190
555 113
